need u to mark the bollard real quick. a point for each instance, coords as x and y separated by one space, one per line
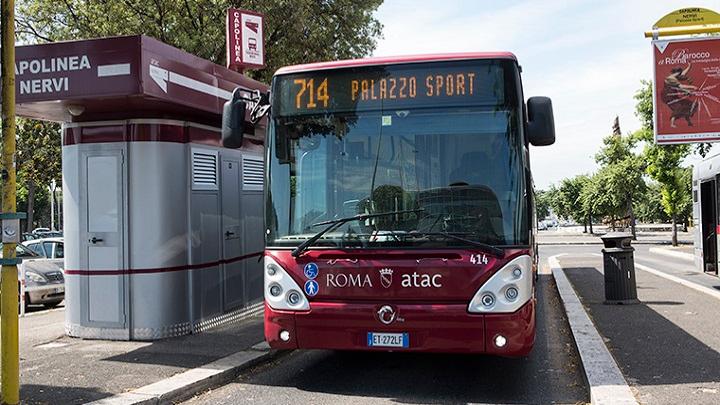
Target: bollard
619 269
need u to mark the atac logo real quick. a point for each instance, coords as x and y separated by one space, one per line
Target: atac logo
386 277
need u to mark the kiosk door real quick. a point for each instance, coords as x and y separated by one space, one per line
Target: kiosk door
102 235
234 282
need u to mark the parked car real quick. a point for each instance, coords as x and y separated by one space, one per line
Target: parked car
44 280
41 233
49 248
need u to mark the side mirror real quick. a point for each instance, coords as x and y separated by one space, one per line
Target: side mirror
541 124
233 121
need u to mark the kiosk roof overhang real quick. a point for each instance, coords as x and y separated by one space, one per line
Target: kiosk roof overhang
121 77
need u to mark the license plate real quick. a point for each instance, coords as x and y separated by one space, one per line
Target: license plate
388 339
59 290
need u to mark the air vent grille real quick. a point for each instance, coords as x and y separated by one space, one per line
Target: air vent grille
205 169
252 173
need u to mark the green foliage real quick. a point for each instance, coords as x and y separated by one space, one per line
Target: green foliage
644 106
677 195
597 196
38 162
649 208
543 202
41 205
39 153
616 149
296 31
568 198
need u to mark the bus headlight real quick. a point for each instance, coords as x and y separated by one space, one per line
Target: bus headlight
275 290
293 298
488 300
277 281
507 290
512 293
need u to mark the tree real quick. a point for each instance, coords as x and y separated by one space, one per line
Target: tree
622 174
296 31
543 203
663 161
568 201
598 197
649 208
38 161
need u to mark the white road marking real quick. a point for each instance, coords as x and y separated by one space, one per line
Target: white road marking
686 283
672 253
607 384
51 345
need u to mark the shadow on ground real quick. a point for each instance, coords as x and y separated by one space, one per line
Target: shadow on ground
551 374
196 350
650 349
46 394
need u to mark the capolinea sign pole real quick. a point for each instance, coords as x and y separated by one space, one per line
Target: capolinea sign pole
10 219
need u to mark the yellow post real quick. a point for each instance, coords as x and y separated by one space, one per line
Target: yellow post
8 277
695 29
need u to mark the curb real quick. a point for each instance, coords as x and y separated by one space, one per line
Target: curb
673 253
188 383
607 384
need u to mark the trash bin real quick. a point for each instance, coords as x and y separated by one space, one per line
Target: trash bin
619 269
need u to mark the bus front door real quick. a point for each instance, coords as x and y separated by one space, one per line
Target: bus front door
708 197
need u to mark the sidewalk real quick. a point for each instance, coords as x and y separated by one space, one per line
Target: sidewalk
563 237
685 252
667 347
56 369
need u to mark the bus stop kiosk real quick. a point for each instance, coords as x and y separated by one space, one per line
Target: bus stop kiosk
163 226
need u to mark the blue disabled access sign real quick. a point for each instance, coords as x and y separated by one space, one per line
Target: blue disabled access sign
311 270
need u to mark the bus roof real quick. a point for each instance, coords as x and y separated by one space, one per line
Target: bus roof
391 60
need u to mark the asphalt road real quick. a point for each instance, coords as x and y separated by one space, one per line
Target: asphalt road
551 374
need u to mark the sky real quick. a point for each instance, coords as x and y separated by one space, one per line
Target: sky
587 56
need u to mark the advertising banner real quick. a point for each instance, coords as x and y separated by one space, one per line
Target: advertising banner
245 43
686 90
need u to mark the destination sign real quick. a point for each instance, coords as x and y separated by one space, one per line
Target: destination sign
408 86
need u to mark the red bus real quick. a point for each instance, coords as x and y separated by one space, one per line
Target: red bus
399 205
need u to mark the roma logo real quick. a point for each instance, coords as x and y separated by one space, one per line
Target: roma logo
386 277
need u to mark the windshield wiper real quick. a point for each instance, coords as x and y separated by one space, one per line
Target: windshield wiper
334 223
495 251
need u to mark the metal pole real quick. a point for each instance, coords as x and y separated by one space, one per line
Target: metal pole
9 274
52 204
694 29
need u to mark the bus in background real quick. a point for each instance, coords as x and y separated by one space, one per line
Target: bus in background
399 208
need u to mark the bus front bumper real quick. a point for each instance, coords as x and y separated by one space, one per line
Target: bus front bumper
447 328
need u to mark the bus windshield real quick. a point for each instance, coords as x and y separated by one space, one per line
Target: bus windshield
451 166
